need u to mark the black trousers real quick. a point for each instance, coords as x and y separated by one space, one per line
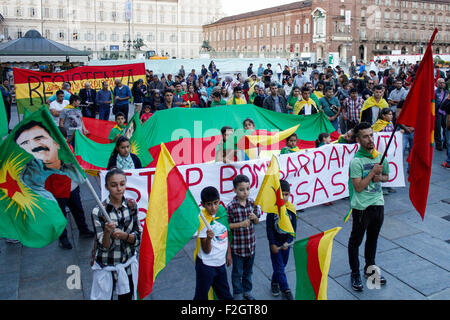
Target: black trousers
127 296
206 277
370 220
76 208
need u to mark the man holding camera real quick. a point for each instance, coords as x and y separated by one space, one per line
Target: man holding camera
331 106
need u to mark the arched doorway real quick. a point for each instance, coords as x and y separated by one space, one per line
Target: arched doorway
319 52
342 53
404 50
362 53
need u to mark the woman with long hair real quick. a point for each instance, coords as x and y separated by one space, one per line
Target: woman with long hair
115 262
122 158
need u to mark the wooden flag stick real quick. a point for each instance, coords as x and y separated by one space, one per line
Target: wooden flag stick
204 220
99 203
389 143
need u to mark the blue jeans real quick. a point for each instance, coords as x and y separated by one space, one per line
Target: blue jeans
279 262
208 276
241 275
408 141
335 123
104 113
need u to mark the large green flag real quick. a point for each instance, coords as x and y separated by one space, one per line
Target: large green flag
33 151
3 120
192 134
94 155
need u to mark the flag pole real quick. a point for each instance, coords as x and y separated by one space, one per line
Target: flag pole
99 203
204 220
389 143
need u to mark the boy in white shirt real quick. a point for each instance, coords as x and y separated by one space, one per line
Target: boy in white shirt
58 105
213 249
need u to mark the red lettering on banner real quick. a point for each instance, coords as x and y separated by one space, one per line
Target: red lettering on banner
188 175
223 179
302 194
322 187
303 165
149 175
138 193
396 171
283 176
344 148
337 184
334 151
256 167
253 180
314 161
290 167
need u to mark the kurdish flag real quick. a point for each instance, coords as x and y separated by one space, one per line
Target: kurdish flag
270 197
312 261
249 140
93 155
192 134
33 88
33 152
172 219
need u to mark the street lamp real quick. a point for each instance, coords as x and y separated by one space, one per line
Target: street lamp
127 44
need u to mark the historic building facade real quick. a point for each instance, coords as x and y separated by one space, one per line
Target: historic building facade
352 29
166 26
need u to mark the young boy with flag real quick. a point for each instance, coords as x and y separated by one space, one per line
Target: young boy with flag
279 244
213 249
243 214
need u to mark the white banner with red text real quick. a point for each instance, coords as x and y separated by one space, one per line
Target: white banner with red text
316 176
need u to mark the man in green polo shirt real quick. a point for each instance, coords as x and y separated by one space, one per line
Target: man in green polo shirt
217 99
116 131
367 203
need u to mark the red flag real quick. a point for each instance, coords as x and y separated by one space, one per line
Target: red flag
418 112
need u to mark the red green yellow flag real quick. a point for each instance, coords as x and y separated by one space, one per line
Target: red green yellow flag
33 152
270 197
172 220
312 261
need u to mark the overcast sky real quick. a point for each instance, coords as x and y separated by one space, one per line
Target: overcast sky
231 7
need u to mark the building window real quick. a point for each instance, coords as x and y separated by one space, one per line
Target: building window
306 26
19 34
47 34
61 35
32 12
75 35
60 13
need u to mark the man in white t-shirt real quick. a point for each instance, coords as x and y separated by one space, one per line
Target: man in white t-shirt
58 105
213 252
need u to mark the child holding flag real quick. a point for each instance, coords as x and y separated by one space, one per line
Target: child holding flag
213 249
279 245
242 215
